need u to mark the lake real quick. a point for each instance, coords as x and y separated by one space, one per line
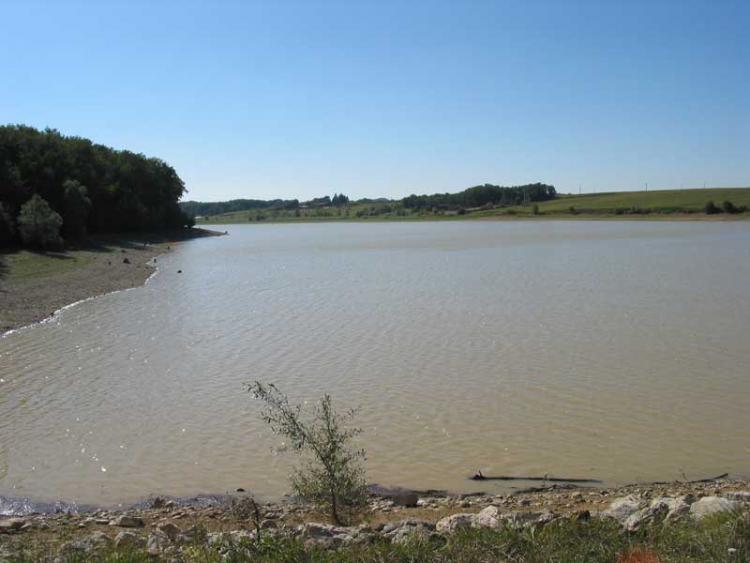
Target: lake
616 350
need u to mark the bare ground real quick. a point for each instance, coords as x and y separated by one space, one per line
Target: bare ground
33 285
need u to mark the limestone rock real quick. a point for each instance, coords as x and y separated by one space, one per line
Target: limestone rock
622 508
126 521
128 539
712 505
157 543
407 530
455 522
11 525
325 535
489 517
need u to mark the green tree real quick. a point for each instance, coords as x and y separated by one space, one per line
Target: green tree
39 225
76 208
339 200
126 191
331 476
6 226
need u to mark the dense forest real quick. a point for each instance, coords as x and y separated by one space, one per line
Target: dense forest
195 208
477 196
483 195
206 209
53 186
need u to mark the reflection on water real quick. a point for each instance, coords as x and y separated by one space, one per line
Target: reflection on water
615 350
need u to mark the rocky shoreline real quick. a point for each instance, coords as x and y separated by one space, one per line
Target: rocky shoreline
167 527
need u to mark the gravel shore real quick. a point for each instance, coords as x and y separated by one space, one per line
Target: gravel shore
167 526
35 285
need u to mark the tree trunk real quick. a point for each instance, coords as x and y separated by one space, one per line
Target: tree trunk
334 510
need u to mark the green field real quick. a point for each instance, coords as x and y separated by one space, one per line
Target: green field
657 200
654 204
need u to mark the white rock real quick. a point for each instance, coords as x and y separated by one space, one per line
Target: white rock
712 505
459 521
620 509
11 525
669 507
489 517
676 507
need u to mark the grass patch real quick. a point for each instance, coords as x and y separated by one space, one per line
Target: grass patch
664 201
25 264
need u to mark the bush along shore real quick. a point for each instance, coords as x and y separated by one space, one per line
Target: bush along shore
700 521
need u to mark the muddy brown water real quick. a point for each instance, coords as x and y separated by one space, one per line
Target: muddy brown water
612 350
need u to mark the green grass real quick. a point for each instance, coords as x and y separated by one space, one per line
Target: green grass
658 200
25 264
655 203
563 541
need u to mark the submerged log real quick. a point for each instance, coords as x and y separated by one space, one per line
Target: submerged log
478 476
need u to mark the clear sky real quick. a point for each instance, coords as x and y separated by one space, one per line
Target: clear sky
299 99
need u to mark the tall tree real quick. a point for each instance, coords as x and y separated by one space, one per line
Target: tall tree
76 207
7 229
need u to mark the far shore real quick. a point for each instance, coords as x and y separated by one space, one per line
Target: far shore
35 285
660 217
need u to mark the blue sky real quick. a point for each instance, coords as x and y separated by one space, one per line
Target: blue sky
299 99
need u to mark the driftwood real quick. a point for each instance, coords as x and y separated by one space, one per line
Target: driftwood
706 480
479 477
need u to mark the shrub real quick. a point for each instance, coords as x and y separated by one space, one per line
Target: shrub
332 476
711 208
39 225
535 209
729 207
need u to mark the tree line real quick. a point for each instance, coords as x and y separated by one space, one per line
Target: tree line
476 196
54 186
208 208
486 194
